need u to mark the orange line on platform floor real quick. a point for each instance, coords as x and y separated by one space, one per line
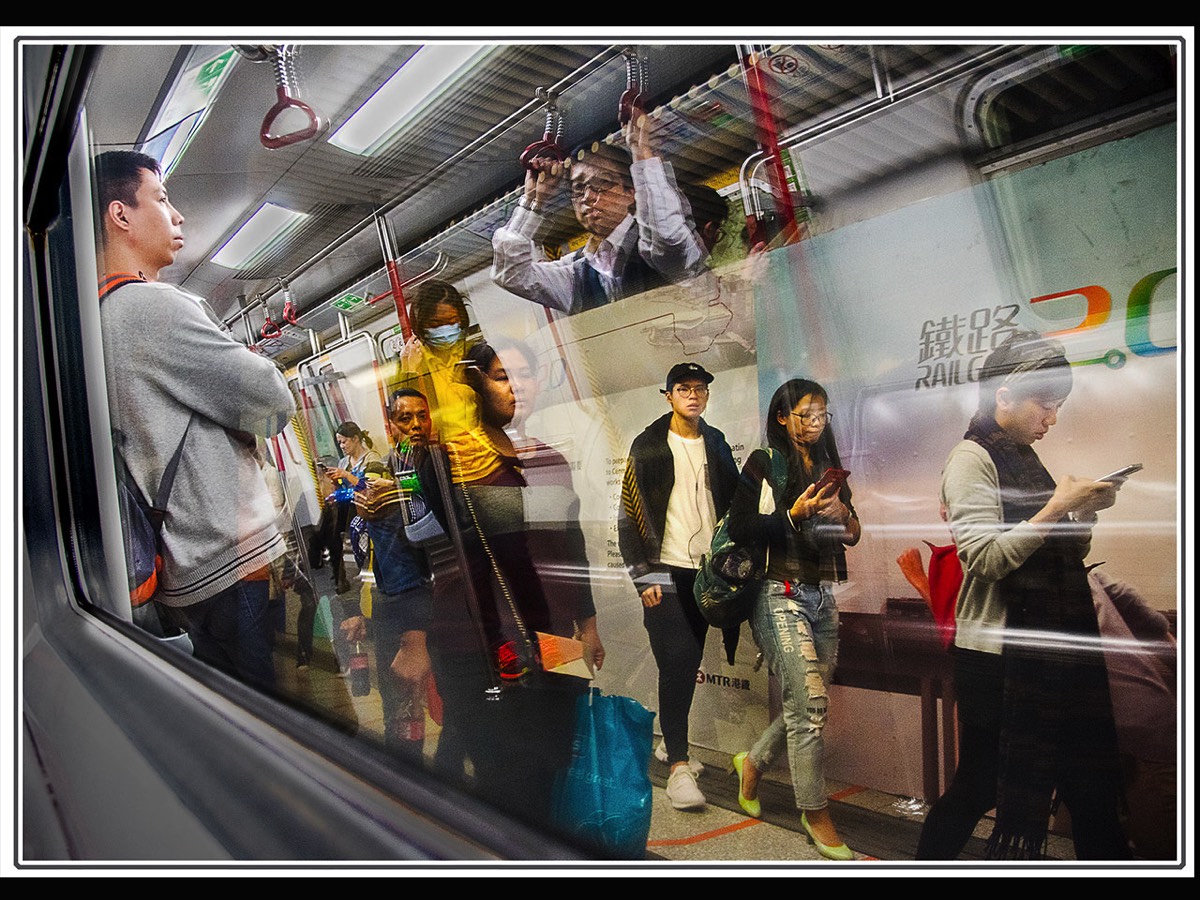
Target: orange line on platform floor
707 835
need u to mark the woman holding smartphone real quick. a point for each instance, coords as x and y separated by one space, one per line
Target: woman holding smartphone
1033 699
805 528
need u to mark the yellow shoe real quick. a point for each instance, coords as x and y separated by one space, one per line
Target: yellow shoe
751 807
840 852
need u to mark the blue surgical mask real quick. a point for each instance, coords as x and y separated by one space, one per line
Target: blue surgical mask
444 335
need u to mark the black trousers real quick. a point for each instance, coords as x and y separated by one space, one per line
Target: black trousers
677 632
1092 802
517 743
979 686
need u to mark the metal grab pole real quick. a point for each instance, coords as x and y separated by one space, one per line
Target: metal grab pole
393 271
758 88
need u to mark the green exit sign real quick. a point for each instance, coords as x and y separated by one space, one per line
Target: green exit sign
347 302
1074 51
211 72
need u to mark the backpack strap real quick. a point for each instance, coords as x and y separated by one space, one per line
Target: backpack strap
109 283
158 509
776 472
168 476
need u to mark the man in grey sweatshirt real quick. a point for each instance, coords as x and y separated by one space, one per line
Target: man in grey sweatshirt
174 373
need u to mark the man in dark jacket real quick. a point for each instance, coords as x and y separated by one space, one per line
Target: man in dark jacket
678 483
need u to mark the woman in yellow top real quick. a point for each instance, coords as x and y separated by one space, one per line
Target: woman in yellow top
431 362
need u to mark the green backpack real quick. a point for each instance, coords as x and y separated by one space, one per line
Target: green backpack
729 573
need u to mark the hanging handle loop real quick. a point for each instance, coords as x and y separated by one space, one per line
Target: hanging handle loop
269 329
550 144
285 100
636 88
289 308
279 141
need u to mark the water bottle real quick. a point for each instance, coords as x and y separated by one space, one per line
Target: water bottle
408 725
360 671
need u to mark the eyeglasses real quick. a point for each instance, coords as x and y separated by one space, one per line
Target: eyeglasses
821 418
598 185
698 391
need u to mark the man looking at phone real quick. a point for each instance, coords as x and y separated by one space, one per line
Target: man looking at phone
403 598
679 481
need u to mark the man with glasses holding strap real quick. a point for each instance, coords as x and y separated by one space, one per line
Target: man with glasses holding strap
639 230
679 481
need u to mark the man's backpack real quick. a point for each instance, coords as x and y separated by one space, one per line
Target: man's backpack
142 520
730 573
143 523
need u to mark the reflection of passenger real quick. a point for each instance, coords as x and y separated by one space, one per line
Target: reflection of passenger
1140 654
431 362
1033 697
795 618
357 451
514 722
678 482
555 539
402 600
286 573
495 508
171 367
638 231
709 213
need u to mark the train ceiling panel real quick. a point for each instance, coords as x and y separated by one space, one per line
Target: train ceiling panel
448 179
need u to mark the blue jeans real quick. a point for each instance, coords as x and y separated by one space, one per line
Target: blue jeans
796 627
230 632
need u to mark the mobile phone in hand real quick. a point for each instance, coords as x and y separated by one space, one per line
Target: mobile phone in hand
832 476
1122 473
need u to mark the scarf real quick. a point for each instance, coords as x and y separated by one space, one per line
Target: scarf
1057 713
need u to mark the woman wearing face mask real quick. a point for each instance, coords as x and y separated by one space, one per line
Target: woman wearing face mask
440 362
432 362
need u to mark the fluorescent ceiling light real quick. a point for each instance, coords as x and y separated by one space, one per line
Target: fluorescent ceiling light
428 72
262 231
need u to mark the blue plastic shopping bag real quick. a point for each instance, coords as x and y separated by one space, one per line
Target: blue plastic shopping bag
603 798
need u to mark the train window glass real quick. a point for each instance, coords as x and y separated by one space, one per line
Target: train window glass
1066 96
451 521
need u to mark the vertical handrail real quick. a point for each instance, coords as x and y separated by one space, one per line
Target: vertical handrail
758 87
393 273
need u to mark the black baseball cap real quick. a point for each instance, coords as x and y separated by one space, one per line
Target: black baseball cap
681 371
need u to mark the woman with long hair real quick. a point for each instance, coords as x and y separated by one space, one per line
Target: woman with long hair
357 450
804 527
502 711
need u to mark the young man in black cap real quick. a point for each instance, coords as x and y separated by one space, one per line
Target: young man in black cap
679 481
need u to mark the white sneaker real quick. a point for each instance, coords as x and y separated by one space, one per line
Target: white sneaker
660 753
682 790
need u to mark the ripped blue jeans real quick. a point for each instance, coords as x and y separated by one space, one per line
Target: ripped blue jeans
796 627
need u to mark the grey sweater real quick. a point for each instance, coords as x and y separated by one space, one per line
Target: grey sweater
167 358
988 547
